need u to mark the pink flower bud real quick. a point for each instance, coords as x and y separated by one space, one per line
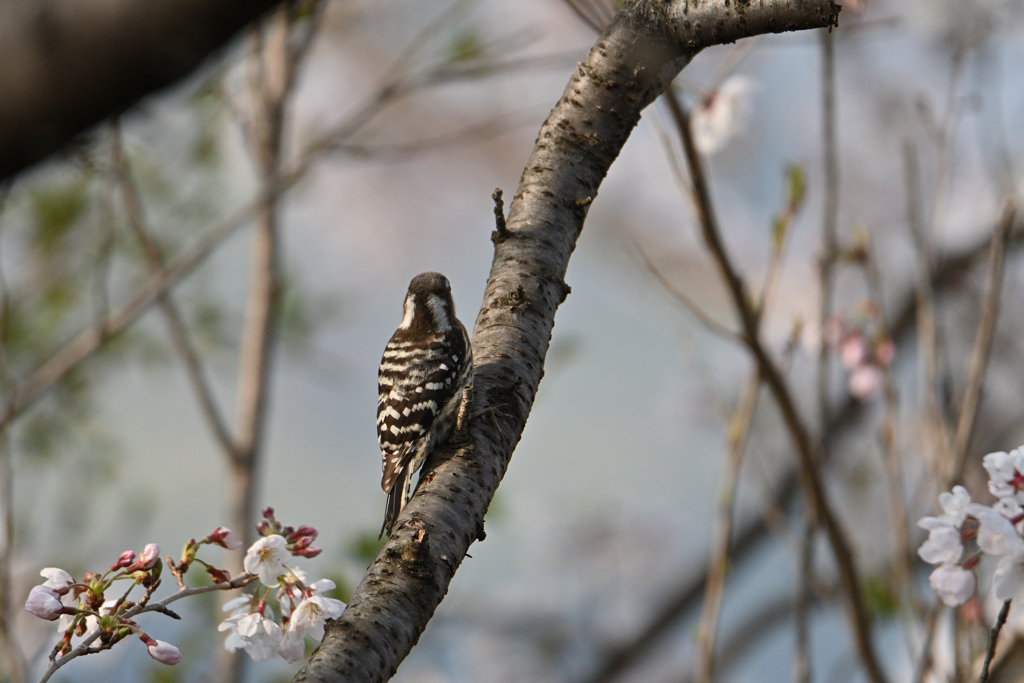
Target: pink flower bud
218 575
268 512
302 542
853 350
263 528
165 653
126 558
885 353
303 531
225 538
44 603
150 554
308 552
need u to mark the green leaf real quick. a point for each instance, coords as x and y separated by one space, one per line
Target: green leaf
880 595
55 210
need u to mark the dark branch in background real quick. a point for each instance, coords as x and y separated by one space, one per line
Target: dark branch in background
68 64
636 57
619 657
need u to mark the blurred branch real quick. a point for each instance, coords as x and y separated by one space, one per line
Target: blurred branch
69 64
891 465
982 343
806 450
631 64
176 327
9 647
273 67
738 431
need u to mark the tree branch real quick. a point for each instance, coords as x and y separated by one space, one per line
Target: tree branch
636 57
70 64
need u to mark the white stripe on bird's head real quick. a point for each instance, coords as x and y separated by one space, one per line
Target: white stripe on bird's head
439 307
409 311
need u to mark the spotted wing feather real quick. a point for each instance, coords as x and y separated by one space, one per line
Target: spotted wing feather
418 381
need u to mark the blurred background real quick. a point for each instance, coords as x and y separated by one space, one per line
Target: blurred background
401 119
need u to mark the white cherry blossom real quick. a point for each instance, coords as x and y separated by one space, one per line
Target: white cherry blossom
1008 579
1006 474
266 557
996 535
954 505
954 584
293 647
722 115
943 544
311 613
262 636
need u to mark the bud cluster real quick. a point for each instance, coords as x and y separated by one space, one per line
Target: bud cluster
81 607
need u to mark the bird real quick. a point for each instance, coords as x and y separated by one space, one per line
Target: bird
424 384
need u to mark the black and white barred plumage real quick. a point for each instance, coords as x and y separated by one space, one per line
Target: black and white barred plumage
424 381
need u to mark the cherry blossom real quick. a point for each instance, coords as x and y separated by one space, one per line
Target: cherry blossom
56 578
1008 579
954 505
996 535
262 636
1006 474
266 557
311 613
943 544
722 115
954 584
292 647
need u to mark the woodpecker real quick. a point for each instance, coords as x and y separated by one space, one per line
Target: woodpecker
424 385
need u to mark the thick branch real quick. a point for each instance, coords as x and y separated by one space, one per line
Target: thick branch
639 53
68 64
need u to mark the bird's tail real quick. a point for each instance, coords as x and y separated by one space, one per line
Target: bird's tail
398 496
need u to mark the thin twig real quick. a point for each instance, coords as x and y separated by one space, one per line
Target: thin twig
738 432
692 306
813 488
982 350
993 637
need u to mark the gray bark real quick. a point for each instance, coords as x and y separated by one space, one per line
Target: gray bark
636 57
69 64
